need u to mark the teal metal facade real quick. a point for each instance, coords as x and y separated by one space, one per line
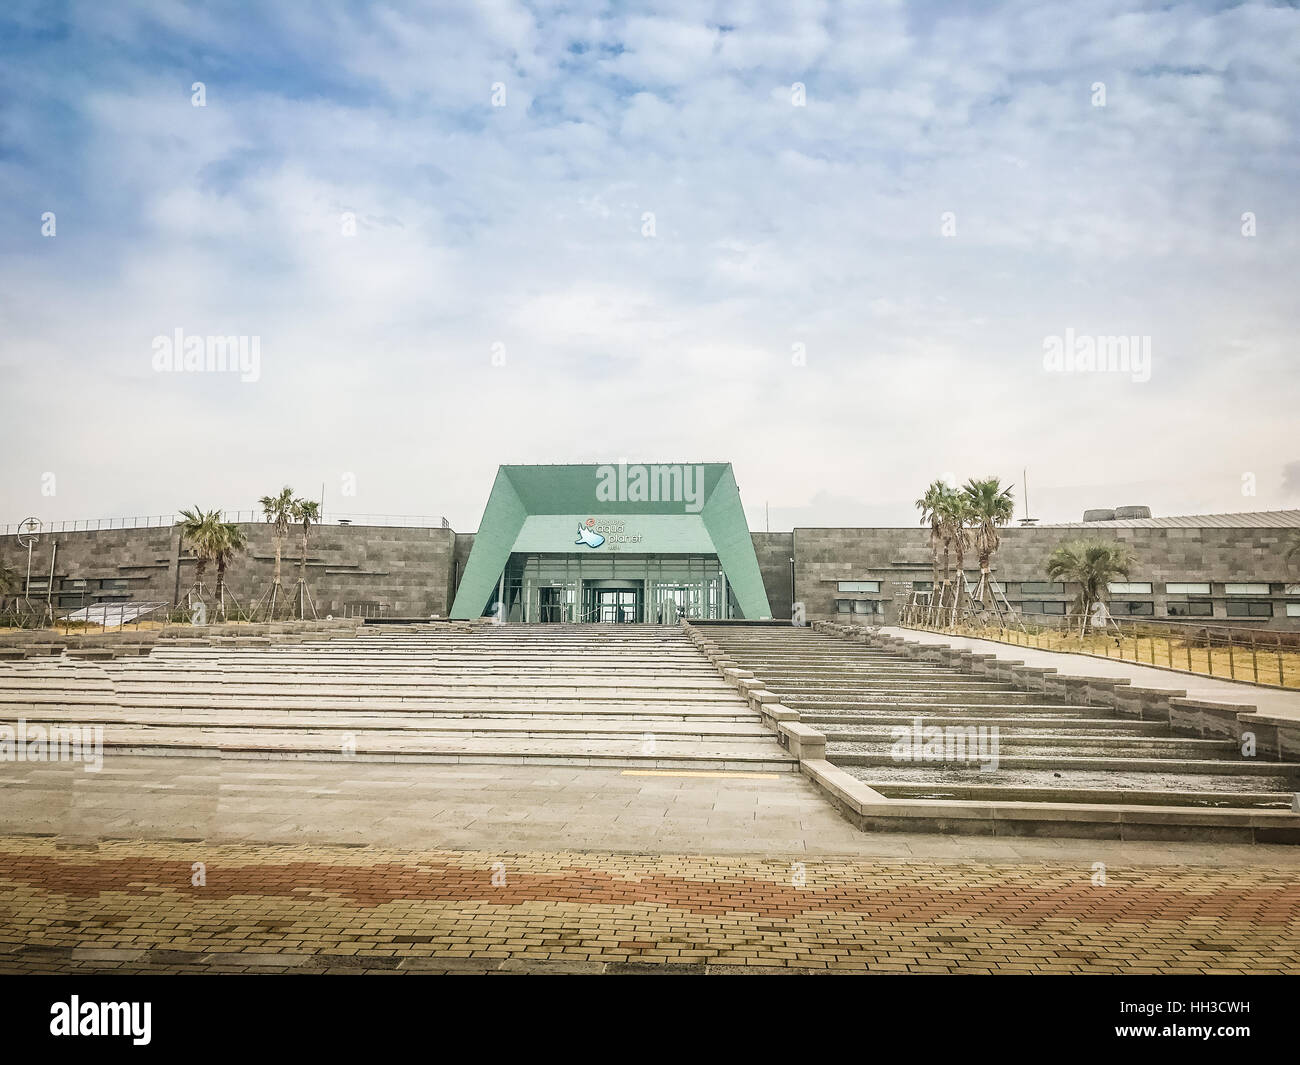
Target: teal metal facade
685 510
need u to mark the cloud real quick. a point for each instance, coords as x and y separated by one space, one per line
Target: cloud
524 225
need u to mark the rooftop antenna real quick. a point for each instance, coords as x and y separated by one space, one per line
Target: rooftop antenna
1027 520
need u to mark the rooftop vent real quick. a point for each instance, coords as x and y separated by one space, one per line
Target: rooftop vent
1118 514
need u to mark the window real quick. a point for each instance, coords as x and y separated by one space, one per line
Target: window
866 606
1187 589
843 606
1246 589
1251 608
1196 608
1041 588
1129 608
1293 610
923 586
1292 589
857 586
1042 608
1130 588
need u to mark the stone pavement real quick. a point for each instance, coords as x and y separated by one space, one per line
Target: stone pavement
184 907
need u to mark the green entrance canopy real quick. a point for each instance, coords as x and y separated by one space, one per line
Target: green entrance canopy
651 509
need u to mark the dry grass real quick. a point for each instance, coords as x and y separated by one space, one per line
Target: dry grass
1262 663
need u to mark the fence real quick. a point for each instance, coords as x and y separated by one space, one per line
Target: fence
161 521
1256 656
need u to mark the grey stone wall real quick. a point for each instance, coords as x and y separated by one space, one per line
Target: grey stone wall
774 551
896 557
414 572
406 572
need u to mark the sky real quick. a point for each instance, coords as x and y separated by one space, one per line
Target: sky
831 244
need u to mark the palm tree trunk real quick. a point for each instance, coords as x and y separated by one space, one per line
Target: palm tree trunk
302 576
275 582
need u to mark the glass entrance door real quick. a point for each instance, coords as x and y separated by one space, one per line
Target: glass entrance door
616 605
612 601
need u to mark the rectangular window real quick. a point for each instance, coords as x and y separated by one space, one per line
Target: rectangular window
1042 607
1130 588
866 606
923 586
1187 589
1196 608
1246 589
843 606
1250 609
1292 589
857 586
1129 608
1041 588
1293 610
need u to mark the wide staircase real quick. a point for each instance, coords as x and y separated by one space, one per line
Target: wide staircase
866 699
629 696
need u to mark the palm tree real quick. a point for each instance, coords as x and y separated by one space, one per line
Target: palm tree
991 507
306 512
231 541
202 529
278 511
956 519
931 505
1292 548
8 582
1092 565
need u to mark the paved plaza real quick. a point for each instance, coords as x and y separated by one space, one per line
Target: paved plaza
509 821
173 907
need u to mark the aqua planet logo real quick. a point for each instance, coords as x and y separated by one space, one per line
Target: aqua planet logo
588 535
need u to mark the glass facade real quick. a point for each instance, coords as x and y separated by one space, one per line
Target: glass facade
616 587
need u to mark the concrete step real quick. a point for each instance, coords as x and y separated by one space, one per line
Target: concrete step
631 752
523 725
1053 744
1118 766
1259 800
838 725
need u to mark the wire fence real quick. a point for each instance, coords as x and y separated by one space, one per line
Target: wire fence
1255 656
162 521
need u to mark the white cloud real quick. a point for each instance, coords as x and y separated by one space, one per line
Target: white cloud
775 225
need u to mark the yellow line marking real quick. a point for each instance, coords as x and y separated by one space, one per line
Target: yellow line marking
699 773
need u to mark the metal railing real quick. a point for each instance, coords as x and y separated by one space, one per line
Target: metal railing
1255 656
162 521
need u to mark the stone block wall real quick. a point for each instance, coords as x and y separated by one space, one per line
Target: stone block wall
350 569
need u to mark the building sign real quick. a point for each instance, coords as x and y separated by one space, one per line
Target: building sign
596 532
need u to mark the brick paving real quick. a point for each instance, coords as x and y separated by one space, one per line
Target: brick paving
134 907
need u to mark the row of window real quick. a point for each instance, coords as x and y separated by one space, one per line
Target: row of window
1115 587
859 606
1191 608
